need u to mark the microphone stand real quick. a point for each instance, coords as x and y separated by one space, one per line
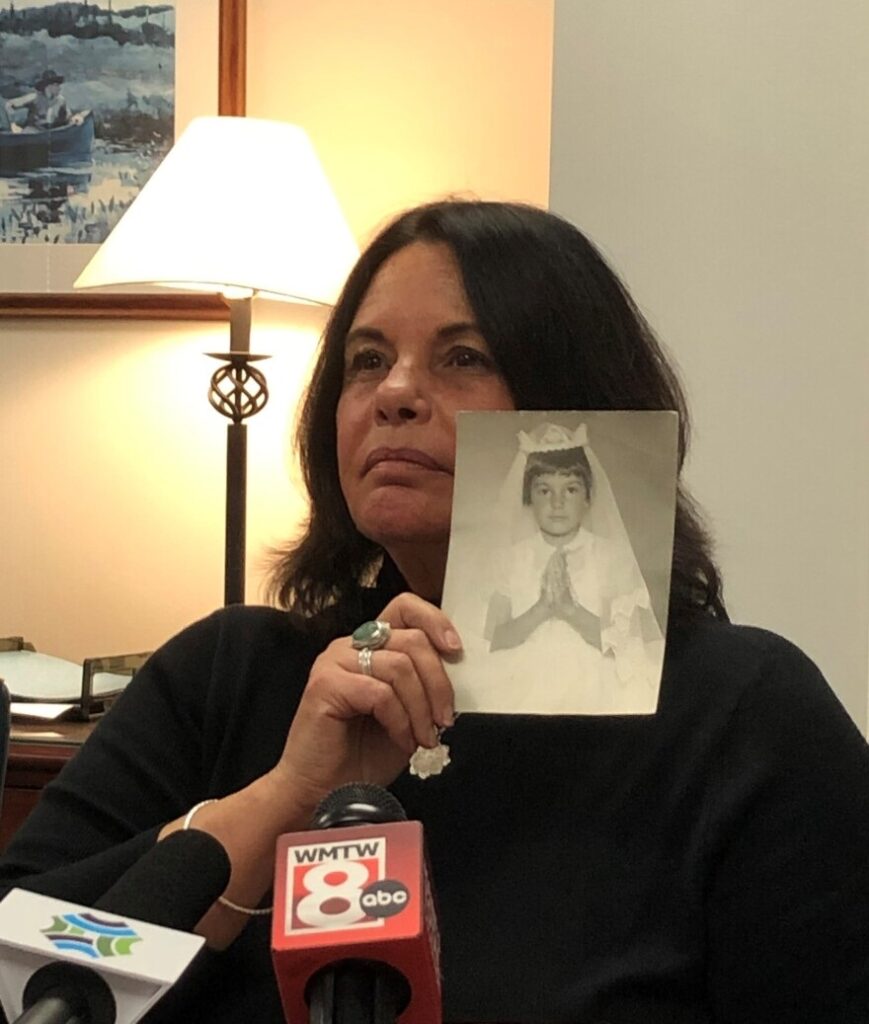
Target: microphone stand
65 993
357 992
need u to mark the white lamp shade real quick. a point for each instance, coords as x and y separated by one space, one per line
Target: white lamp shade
239 205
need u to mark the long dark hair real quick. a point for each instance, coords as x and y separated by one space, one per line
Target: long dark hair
564 333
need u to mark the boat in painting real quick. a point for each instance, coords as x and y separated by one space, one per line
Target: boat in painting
33 148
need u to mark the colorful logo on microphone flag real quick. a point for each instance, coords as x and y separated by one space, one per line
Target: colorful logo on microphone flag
92 936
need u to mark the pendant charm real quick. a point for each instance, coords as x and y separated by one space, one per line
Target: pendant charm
426 762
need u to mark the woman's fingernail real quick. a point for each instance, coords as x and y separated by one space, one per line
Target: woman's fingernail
452 640
448 717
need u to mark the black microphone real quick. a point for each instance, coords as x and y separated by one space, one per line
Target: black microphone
174 883
354 935
170 887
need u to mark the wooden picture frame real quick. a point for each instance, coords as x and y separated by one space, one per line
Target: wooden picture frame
165 304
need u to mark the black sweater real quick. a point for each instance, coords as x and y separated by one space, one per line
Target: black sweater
707 863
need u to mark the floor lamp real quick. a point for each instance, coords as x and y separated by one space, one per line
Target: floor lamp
240 206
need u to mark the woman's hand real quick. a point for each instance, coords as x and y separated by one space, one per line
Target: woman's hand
351 727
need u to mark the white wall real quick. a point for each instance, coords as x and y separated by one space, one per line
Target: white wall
719 154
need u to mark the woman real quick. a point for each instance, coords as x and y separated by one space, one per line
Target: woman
707 862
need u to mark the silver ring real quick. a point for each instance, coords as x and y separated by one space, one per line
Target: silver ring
364 656
371 635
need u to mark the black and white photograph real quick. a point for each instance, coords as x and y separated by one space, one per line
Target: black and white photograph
558 569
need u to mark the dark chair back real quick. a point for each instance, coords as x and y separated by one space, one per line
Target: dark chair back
5 727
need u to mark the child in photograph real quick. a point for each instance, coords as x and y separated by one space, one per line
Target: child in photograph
572 584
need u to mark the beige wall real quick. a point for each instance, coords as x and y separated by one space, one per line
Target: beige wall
111 486
112 481
408 101
718 152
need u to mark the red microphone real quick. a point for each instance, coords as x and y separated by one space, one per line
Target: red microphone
354 932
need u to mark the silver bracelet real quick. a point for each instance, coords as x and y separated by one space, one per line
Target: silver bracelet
222 900
250 911
194 809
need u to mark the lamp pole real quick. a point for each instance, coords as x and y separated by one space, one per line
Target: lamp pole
238 390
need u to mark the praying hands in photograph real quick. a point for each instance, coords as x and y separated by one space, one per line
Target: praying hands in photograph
556 601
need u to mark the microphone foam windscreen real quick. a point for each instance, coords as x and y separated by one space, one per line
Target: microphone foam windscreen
357 803
173 884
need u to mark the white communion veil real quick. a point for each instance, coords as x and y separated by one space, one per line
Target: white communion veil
606 579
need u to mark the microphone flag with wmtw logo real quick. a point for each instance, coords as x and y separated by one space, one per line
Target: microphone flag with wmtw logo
358 892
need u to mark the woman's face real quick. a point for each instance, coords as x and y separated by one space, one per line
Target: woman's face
414 357
559 504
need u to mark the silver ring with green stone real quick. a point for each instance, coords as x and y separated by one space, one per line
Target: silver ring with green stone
371 635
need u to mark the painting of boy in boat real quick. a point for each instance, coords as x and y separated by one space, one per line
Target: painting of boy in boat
87 103
45 107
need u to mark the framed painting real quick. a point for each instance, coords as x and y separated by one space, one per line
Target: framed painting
92 96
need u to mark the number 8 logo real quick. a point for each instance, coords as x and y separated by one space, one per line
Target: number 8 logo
349 890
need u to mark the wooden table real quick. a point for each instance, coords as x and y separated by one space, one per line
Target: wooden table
37 752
